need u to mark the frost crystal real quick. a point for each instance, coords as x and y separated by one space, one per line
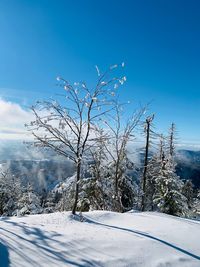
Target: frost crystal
103 83
87 95
113 67
83 85
98 72
66 88
94 99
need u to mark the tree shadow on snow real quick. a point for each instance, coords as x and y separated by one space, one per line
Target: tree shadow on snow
52 251
87 219
4 256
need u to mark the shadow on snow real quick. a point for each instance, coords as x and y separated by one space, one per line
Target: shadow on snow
87 219
54 252
4 256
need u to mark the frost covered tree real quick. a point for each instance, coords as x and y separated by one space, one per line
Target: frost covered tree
66 126
9 193
171 141
64 194
98 184
169 197
16 198
119 134
29 201
152 174
108 185
154 166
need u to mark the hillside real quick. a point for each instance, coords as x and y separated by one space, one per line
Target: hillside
103 239
188 166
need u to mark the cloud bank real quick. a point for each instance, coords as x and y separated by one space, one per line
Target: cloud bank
12 120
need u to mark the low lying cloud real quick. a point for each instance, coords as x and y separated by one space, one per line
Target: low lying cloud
12 120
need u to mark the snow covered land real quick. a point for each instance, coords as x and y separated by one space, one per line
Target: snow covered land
147 239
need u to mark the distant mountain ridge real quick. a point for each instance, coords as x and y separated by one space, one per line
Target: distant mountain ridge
48 167
188 166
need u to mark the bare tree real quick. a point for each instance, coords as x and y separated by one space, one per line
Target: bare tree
161 147
119 134
67 126
172 132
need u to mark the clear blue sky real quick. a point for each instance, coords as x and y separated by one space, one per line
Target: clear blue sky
158 40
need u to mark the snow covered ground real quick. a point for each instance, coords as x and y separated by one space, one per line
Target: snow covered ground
104 239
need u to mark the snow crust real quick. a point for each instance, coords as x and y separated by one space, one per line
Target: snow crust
103 239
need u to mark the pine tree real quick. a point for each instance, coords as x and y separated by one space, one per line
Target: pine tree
9 193
154 166
29 201
152 174
168 197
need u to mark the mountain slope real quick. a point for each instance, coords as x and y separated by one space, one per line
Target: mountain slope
103 239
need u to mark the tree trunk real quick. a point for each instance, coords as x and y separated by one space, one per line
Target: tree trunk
171 141
78 176
117 201
118 204
148 122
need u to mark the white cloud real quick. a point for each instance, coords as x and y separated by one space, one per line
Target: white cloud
12 120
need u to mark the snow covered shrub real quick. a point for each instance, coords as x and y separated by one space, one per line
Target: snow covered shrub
29 203
62 194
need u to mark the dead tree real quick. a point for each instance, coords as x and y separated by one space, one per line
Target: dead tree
67 126
171 140
146 157
161 148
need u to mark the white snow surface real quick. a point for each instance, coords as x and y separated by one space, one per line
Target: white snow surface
130 239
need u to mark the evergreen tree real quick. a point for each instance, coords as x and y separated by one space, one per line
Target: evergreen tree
9 193
29 201
168 197
154 166
152 174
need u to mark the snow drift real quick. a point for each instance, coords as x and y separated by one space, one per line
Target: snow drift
104 239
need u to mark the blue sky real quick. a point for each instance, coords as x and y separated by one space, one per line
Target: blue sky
158 40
